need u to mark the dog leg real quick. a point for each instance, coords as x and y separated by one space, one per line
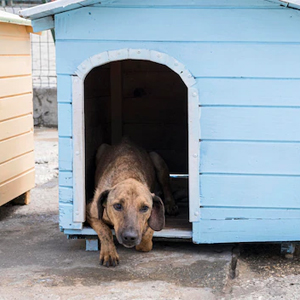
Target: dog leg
162 173
146 243
108 252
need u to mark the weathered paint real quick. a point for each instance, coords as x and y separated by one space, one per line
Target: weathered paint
252 191
245 230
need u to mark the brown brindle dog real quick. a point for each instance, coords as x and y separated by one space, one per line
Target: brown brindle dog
125 179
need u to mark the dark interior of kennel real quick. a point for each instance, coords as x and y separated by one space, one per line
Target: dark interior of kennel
145 101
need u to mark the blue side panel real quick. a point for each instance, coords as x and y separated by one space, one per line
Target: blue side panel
64 88
65 154
250 191
249 92
65 179
250 158
65 119
239 230
64 97
66 217
229 213
250 123
187 24
66 194
254 60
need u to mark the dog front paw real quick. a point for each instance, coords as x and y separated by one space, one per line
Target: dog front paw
171 209
109 256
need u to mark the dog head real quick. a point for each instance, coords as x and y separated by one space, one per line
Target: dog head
131 208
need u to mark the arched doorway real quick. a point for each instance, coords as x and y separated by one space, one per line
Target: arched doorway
148 102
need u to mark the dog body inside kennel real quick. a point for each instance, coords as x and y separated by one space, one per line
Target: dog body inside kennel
205 86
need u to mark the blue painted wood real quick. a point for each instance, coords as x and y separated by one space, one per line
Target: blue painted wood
64 119
91 245
256 230
66 194
65 154
258 92
65 179
66 217
250 191
221 213
250 123
192 3
43 24
64 88
201 59
191 24
250 158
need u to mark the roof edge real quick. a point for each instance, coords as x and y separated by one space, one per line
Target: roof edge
52 8
292 3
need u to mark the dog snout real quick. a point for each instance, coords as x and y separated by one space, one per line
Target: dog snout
130 237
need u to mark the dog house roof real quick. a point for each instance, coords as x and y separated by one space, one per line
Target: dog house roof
55 7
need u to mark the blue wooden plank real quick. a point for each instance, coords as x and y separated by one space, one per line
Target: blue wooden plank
66 194
221 213
65 154
64 88
195 24
258 92
250 191
191 4
66 217
250 158
257 230
201 59
250 123
43 24
65 119
65 178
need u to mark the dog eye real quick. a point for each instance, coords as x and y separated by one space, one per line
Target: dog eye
118 206
144 209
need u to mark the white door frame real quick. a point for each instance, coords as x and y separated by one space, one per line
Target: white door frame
79 201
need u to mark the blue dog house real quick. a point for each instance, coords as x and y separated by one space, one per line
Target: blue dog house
213 86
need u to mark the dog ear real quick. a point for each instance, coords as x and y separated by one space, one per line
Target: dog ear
157 218
100 202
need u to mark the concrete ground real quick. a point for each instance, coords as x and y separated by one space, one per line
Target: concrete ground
38 262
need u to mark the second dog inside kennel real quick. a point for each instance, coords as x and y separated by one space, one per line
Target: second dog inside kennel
146 102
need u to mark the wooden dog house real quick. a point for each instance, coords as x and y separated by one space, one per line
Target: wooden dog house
16 120
213 86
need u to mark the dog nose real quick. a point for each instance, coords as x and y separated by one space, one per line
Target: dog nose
129 236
